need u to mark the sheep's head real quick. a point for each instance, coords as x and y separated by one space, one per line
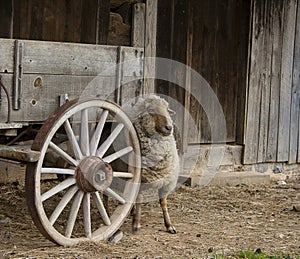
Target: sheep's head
155 116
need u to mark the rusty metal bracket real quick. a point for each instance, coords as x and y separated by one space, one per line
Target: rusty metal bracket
18 74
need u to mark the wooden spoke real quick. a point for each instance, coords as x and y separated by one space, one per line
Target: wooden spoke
123 175
49 170
84 133
107 143
73 140
117 155
101 208
63 154
87 214
73 213
62 204
97 134
114 195
58 188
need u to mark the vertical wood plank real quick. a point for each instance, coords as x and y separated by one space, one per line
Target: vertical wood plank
22 19
266 50
36 23
103 12
276 53
254 84
243 18
89 21
286 80
189 59
294 153
164 40
179 54
73 21
54 19
298 157
150 45
6 18
138 25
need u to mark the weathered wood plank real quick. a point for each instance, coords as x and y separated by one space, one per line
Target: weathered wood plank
39 101
266 65
73 21
54 20
6 18
165 28
179 49
19 153
254 85
298 158
40 91
187 101
22 19
130 74
294 153
89 21
36 22
276 53
131 59
7 55
69 59
243 17
286 79
103 12
138 25
150 45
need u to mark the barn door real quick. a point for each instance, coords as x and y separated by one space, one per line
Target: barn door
272 118
211 37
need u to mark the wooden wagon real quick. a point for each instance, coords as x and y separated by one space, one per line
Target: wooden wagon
60 113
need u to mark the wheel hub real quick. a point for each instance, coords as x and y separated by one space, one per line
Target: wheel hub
93 174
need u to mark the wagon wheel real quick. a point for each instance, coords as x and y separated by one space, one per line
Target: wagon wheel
71 209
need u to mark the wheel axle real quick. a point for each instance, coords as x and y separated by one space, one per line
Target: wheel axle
93 174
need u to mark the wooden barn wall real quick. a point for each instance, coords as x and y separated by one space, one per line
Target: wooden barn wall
80 21
272 117
212 38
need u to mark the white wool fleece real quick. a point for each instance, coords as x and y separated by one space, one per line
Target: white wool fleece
160 161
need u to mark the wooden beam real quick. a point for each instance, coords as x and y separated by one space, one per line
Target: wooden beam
150 46
103 14
138 25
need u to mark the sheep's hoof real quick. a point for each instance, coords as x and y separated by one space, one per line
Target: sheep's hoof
136 230
172 230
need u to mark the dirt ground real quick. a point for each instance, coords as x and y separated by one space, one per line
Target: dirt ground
211 222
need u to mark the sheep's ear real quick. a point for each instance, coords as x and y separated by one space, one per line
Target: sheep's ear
171 112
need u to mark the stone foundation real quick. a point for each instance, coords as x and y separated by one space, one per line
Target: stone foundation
226 167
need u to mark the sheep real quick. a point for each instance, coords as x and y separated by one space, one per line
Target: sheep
160 162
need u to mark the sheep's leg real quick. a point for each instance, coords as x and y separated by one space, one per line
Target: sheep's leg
164 206
136 214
